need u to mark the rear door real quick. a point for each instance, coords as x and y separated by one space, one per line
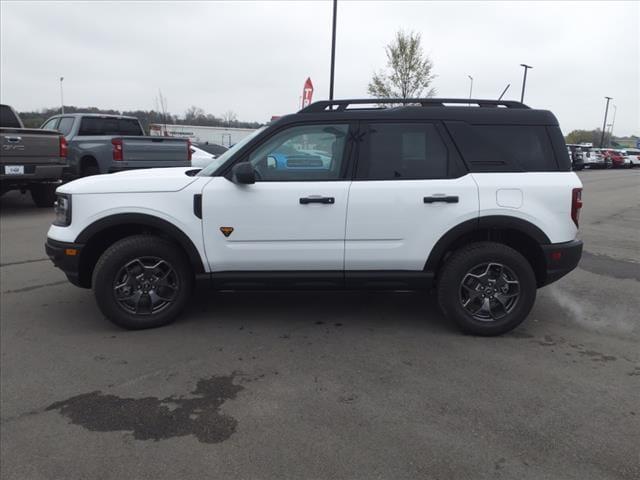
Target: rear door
409 190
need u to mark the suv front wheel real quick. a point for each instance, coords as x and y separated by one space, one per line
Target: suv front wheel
487 288
142 281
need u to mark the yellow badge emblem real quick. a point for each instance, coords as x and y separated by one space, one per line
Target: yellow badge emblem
226 231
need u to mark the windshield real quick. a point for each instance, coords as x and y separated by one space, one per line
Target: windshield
213 166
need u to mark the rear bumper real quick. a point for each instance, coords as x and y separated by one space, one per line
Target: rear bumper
32 174
65 256
560 259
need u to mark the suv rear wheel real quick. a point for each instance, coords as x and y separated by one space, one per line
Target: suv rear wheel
142 281
487 288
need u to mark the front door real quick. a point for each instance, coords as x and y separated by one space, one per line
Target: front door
293 217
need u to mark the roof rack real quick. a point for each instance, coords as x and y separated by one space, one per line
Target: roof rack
341 105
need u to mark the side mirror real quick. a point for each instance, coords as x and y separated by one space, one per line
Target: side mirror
243 173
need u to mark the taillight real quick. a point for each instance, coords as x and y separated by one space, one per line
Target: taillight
576 204
189 151
63 147
117 149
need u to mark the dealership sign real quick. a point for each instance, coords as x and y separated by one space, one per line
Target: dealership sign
307 93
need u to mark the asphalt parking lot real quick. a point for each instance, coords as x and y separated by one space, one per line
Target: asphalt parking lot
326 385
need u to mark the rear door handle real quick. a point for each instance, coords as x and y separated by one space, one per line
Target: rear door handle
317 199
441 198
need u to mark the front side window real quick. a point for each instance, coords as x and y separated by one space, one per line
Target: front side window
302 153
403 151
64 127
50 124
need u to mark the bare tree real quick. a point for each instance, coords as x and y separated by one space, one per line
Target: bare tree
161 105
229 117
409 71
195 115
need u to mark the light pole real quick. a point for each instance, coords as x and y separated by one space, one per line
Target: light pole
613 122
61 97
524 80
604 124
471 86
333 48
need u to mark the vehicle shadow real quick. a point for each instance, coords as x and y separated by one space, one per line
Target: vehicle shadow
14 203
364 309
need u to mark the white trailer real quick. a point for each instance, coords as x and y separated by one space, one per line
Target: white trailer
198 134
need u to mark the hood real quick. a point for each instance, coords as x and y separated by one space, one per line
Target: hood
132 181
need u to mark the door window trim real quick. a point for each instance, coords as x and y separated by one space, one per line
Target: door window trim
346 169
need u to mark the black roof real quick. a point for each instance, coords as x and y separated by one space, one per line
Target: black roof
475 111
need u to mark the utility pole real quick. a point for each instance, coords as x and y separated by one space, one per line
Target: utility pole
333 48
613 122
471 87
61 97
524 80
604 124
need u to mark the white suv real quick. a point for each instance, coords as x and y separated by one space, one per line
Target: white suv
477 201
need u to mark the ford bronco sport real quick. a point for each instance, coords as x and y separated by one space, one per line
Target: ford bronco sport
473 197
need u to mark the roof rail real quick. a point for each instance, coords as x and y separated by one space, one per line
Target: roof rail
330 105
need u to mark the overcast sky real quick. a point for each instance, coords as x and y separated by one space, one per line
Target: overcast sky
253 58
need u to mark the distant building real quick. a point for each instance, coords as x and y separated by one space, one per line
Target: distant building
198 134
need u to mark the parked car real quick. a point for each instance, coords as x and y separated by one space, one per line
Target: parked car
100 143
199 157
633 155
30 159
478 202
593 158
616 157
577 156
212 148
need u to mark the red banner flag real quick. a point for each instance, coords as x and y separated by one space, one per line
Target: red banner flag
307 93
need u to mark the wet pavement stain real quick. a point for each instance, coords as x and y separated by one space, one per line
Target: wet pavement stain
152 418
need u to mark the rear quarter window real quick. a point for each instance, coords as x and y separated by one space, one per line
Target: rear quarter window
508 148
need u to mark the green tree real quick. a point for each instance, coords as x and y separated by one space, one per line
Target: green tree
409 72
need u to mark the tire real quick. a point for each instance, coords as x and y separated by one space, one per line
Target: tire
128 263
468 263
89 169
44 194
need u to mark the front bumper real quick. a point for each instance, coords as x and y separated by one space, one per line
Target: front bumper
560 259
65 256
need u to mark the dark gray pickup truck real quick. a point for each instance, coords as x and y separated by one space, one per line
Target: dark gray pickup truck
101 143
30 159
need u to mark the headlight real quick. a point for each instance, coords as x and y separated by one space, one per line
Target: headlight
63 210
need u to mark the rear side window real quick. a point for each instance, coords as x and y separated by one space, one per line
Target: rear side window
489 148
109 126
402 151
65 125
8 119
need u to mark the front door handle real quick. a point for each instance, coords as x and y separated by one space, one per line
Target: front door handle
317 199
441 198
